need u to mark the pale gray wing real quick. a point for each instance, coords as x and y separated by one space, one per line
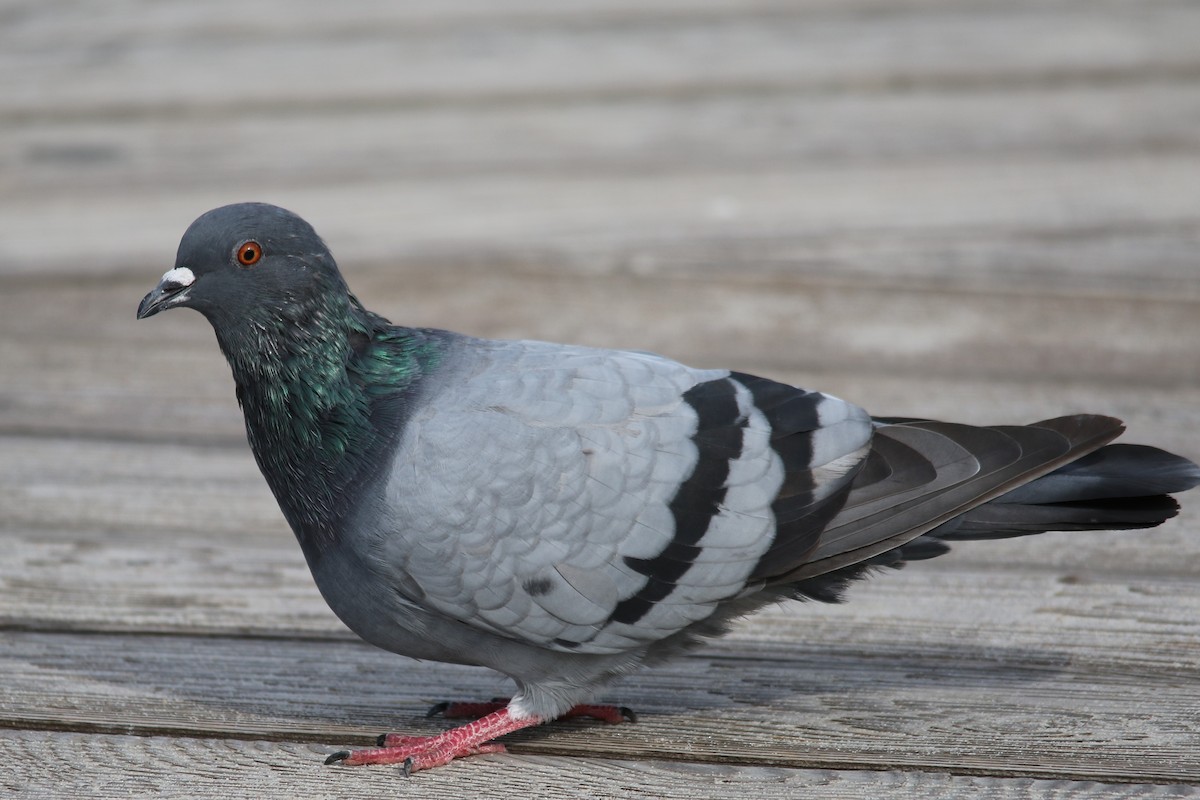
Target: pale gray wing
594 501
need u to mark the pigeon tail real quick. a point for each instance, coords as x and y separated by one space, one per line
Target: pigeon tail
1117 487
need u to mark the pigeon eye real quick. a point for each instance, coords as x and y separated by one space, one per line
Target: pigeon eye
248 253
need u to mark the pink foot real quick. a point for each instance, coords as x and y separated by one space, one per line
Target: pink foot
474 738
424 752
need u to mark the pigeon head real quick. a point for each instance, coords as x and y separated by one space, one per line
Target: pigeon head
245 264
317 375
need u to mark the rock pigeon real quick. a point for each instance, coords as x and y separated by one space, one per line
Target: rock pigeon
566 514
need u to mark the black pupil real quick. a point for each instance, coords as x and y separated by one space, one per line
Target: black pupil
248 254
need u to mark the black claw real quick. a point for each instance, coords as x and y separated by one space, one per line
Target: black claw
501 699
407 768
440 708
381 740
628 713
340 755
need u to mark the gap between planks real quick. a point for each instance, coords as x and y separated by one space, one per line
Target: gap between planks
170 768
812 708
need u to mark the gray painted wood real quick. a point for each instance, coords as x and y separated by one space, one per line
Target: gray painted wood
1014 711
596 137
186 768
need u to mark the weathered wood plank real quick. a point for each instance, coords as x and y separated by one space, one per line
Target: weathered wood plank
1015 713
134 57
169 768
604 220
661 134
167 168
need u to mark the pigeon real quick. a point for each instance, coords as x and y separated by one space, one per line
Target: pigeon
565 514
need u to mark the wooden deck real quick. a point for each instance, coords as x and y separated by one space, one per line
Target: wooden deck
979 210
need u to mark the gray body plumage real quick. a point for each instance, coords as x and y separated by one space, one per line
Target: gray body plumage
566 514
528 477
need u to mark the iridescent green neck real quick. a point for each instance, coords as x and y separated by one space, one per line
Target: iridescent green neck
323 385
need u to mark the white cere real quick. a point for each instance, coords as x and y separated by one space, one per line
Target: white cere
180 276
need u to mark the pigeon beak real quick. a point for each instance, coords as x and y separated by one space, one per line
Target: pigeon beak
171 291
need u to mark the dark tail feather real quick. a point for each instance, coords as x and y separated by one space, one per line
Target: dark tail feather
1118 487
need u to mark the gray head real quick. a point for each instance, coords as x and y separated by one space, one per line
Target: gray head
244 263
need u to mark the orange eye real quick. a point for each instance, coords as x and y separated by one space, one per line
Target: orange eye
248 253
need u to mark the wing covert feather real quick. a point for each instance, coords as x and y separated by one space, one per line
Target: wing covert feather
592 500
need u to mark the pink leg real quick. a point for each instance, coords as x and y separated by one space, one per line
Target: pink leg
474 738
423 752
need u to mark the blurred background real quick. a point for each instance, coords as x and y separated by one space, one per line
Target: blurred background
961 191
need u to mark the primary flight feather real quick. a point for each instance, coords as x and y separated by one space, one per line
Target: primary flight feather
566 514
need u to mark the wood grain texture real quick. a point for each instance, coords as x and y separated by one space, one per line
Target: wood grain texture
663 134
169 768
618 136
606 219
1015 713
578 55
